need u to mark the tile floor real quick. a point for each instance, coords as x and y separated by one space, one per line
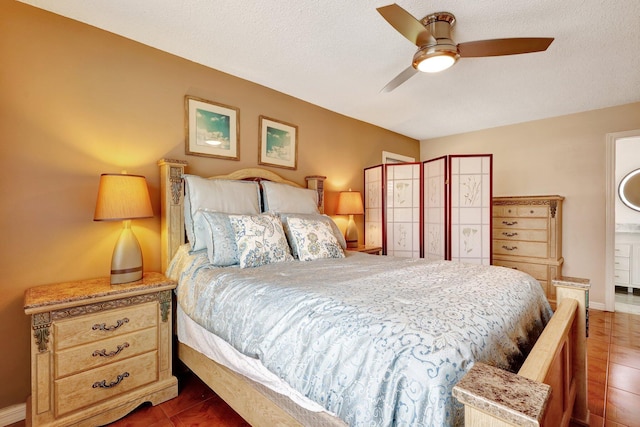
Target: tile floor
614 384
627 302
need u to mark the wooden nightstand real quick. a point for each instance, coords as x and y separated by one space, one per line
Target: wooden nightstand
375 250
99 350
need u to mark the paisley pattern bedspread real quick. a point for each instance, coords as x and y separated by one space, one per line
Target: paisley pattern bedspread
379 341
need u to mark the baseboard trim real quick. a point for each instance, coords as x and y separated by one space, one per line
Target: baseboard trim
12 414
597 306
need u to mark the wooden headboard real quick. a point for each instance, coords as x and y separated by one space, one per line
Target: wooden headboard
172 233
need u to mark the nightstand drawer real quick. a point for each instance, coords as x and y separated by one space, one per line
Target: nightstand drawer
102 325
92 355
87 388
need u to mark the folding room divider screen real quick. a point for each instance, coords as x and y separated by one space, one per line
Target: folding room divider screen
437 209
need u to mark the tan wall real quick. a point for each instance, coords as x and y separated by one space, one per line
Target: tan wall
77 102
562 155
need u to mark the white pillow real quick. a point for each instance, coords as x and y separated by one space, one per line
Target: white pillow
313 239
284 217
284 198
220 239
220 195
260 240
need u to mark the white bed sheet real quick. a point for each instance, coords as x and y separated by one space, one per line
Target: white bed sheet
218 350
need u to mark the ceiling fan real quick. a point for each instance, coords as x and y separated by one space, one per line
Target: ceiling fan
437 51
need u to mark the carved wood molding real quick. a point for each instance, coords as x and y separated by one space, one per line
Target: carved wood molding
41 322
552 203
177 184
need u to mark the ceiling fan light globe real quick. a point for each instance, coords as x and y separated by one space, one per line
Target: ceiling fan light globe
435 64
434 59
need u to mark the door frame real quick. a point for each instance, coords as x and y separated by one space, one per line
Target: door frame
610 214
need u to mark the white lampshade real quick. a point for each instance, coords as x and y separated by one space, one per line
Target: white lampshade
124 197
350 203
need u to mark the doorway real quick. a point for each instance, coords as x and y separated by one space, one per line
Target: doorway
622 226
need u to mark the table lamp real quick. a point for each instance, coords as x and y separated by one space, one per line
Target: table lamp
123 197
350 203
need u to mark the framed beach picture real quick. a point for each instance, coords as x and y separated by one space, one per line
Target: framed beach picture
213 130
278 144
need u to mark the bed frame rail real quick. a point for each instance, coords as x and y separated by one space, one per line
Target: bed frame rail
551 387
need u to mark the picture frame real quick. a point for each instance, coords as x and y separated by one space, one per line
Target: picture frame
212 129
388 157
278 145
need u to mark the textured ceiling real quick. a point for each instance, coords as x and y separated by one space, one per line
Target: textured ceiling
338 54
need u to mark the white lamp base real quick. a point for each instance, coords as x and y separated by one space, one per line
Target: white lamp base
351 235
126 262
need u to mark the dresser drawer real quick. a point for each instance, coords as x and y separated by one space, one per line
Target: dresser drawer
530 235
621 276
95 385
537 271
521 211
521 223
528 249
621 263
105 324
98 353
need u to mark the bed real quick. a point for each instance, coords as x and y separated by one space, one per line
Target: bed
295 331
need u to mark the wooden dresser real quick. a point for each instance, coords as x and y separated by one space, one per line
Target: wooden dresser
527 235
98 351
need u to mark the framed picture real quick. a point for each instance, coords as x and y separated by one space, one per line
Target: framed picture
278 144
388 157
213 130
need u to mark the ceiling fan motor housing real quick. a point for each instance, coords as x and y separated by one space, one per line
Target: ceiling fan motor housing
439 25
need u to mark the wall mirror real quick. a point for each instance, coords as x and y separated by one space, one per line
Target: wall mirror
629 190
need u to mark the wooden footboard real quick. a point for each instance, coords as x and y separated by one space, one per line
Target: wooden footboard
551 387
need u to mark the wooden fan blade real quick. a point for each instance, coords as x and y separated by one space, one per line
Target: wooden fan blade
399 79
499 47
406 24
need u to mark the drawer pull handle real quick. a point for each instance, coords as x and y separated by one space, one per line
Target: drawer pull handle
509 248
504 233
509 222
103 383
104 353
104 327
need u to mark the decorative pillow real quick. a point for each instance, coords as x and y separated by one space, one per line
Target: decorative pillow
260 240
284 217
313 239
280 198
220 195
220 239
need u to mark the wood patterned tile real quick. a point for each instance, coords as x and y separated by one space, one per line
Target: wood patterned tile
597 350
625 356
595 397
212 412
191 391
624 378
144 416
622 407
595 421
